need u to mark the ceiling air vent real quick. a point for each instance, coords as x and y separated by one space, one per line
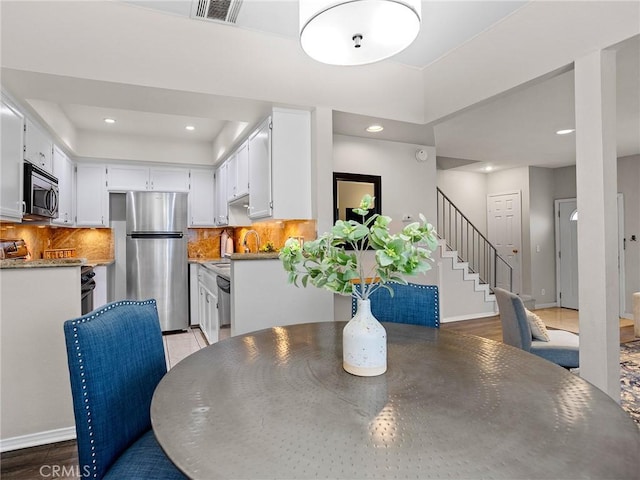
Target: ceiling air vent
221 10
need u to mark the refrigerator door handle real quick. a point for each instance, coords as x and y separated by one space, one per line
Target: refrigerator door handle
157 235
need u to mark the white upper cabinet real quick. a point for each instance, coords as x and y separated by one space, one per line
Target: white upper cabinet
38 147
123 178
291 163
201 198
169 179
231 168
260 171
221 206
12 145
64 171
238 173
92 197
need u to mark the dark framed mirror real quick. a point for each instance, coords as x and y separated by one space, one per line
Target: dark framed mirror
348 190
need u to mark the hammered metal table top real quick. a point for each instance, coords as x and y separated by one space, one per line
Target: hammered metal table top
277 404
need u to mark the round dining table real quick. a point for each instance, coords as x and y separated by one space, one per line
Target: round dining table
277 404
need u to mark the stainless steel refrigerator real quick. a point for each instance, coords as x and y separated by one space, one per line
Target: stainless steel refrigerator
156 246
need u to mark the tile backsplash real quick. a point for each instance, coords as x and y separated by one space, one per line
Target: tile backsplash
98 243
89 243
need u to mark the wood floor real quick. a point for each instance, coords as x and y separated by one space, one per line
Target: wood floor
60 460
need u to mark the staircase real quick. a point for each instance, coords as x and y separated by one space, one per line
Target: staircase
468 266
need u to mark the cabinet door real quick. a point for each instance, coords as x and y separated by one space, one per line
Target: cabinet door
92 198
63 170
201 200
12 143
100 296
231 168
194 295
202 308
260 172
242 170
222 207
169 179
123 178
39 147
212 318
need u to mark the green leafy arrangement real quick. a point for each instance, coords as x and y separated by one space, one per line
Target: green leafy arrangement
326 262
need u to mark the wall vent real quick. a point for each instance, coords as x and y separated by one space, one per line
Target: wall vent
220 10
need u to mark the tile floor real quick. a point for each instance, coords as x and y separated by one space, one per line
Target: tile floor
177 346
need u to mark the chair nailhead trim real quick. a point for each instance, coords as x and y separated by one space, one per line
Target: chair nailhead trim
87 318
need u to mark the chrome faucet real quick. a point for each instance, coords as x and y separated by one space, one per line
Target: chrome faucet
244 242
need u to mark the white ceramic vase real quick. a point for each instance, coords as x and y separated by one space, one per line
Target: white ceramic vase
364 343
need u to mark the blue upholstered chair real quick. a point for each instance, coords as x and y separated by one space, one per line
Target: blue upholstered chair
563 348
412 303
116 359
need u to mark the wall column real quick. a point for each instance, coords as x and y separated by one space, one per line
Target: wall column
596 182
322 167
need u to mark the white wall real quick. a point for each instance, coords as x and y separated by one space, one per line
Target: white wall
408 186
468 191
542 231
564 182
138 148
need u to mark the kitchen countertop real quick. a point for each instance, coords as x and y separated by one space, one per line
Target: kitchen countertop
40 263
208 260
102 262
54 262
255 256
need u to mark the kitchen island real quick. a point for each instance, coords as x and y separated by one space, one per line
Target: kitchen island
261 296
36 297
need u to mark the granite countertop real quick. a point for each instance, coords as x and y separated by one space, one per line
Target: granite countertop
102 262
208 260
254 256
55 262
40 263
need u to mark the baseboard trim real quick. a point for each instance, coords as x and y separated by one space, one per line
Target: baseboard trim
546 305
627 316
35 439
470 316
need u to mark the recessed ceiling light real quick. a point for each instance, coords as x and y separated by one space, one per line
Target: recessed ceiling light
565 132
488 168
375 128
109 120
190 128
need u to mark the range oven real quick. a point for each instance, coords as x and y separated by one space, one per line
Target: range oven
87 285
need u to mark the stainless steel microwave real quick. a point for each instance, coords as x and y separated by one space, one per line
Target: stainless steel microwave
40 193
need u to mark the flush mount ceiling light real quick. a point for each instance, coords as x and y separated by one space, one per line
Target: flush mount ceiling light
190 128
565 132
109 120
375 128
357 32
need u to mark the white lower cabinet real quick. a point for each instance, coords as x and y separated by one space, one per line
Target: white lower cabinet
100 293
208 304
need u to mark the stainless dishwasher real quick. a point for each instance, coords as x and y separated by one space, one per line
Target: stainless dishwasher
224 301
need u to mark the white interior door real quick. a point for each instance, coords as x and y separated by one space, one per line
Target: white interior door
504 218
567 254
